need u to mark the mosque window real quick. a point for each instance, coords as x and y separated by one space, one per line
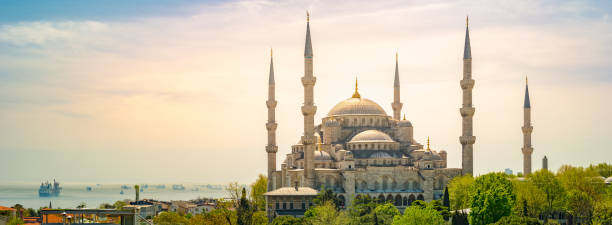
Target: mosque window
291 205
277 205
349 166
284 205
303 205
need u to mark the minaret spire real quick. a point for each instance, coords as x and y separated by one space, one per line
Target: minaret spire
271 125
527 129
308 110
467 110
397 104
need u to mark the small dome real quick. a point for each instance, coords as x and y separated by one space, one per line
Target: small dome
608 180
380 155
371 136
322 155
405 123
357 106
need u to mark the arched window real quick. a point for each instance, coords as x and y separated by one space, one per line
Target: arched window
376 185
405 201
394 185
420 197
398 200
381 198
410 199
342 201
389 198
406 185
416 185
364 185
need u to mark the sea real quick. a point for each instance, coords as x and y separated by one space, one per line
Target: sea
74 194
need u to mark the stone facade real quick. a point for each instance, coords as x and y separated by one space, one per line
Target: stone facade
358 149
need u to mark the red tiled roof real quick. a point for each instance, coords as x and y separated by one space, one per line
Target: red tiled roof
3 208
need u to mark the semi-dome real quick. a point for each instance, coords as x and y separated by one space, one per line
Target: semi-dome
357 106
371 136
322 155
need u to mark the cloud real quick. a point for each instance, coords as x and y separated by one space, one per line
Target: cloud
195 82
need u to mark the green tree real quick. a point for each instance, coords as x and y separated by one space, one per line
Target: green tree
554 193
530 201
385 213
603 169
493 199
119 204
459 189
258 189
106 206
446 199
602 214
222 215
233 190
584 189
437 205
170 218
362 210
517 220
459 218
287 220
81 205
15 221
244 211
419 203
325 214
327 195
419 216
260 218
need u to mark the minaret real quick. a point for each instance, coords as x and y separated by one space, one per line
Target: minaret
308 110
396 105
527 129
545 163
467 138
271 125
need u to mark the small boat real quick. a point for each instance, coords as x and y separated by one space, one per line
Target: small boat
88 188
178 187
121 192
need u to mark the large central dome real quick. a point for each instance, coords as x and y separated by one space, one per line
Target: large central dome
357 106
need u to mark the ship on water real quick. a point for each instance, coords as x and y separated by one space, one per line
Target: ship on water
48 189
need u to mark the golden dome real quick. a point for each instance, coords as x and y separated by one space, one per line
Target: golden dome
357 106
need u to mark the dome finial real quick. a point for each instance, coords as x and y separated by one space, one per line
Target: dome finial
428 144
404 116
526 80
356 94
467 21
307 16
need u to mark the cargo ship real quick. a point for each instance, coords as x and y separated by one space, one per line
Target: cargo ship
48 189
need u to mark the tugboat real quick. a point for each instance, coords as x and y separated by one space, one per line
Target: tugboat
49 190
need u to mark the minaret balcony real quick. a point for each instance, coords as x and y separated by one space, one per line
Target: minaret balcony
271 103
309 81
271 126
467 111
308 140
527 130
467 140
467 83
309 110
527 150
271 149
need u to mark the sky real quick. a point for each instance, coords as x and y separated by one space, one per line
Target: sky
109 91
